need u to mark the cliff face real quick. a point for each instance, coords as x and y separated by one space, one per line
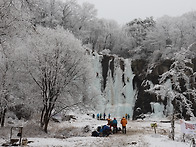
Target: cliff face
120 87
144 100
148 103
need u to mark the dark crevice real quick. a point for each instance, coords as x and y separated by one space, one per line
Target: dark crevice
105 63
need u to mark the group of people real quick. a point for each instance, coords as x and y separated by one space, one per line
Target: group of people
100 116
110 128
113 123
127 116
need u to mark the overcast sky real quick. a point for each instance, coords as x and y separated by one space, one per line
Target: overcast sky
124 11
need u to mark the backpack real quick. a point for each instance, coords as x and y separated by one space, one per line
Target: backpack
95 133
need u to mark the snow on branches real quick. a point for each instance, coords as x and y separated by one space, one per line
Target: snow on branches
175 84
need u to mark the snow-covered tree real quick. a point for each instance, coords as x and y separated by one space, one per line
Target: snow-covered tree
56 63
10 18
175 88
139 28
175 83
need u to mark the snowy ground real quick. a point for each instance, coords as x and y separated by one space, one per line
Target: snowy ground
139 134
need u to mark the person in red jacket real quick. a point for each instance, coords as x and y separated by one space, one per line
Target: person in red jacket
124 123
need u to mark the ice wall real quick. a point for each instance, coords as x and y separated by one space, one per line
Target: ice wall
159 109
114 83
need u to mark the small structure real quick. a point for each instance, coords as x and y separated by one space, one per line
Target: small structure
16 139
154 125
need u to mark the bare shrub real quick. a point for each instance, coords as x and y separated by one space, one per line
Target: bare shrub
32 129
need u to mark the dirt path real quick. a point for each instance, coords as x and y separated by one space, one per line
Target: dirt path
134 137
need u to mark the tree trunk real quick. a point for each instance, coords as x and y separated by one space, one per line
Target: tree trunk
42 116
3 117
46 122
173 119
0 116
173 126
47 115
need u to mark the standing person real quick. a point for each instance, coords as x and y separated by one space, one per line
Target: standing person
104 115
97 116
114 124
124 123
126 115
109 115
100 116
109 122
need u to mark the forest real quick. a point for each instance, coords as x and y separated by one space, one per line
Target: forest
44 66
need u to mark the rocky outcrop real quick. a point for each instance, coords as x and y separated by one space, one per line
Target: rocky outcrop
144 99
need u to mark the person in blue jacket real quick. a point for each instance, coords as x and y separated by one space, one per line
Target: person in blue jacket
109 115
97 116
114 124
105 131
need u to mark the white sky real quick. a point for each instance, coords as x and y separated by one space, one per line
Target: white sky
124 11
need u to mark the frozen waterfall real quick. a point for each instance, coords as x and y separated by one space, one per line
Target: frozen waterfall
113 78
